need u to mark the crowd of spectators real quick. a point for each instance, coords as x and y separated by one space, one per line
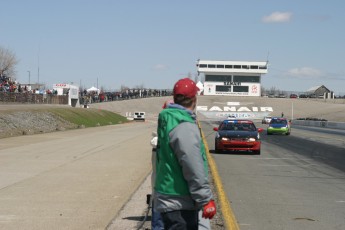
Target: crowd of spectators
126 94
7 85
135 93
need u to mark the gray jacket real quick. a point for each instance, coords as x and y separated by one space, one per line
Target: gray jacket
185 142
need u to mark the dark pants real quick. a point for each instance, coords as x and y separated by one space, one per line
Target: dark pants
180 220
156 222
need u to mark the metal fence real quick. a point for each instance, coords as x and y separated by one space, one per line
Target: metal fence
31 98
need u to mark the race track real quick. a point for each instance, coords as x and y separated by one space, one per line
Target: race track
298 181
81 179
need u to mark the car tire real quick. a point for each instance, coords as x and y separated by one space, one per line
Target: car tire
288 133
216 150
257 152
269 133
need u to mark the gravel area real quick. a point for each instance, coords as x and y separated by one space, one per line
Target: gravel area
16 122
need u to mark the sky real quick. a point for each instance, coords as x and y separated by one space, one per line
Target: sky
153 43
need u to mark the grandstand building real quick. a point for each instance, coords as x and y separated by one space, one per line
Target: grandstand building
232 78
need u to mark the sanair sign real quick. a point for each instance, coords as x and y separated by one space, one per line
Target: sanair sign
234 110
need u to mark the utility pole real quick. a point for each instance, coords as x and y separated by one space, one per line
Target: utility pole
38 65
29 76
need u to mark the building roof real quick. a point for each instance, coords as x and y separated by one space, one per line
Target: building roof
224 67
313 89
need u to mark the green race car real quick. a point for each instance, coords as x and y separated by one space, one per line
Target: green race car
279 125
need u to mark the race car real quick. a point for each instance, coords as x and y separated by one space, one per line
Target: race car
279 125
238 135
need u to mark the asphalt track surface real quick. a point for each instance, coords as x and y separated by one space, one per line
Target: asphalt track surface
332 110
85 179
298 181
292 108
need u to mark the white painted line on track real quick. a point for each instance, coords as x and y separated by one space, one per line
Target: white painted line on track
6 218
276 165
271 165
273 158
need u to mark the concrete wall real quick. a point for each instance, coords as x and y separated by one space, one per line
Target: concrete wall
326 124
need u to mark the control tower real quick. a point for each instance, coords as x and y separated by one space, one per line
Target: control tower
232 78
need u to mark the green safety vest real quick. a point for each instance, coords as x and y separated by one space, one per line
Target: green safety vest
169 176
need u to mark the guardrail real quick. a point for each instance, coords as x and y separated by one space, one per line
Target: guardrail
325 124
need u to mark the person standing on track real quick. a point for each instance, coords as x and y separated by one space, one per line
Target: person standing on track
181 185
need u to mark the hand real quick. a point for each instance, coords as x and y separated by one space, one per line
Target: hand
209 210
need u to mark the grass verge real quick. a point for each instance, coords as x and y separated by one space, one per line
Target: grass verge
88 117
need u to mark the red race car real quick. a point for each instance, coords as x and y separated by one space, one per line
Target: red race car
238 135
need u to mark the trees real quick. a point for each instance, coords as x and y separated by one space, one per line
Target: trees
8 61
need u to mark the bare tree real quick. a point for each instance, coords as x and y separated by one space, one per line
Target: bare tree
123 88
202 78
196 77
263 91
8 61
274 90
141 86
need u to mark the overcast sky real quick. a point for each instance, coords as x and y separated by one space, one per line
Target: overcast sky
153 43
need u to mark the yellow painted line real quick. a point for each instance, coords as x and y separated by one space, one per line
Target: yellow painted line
228 215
